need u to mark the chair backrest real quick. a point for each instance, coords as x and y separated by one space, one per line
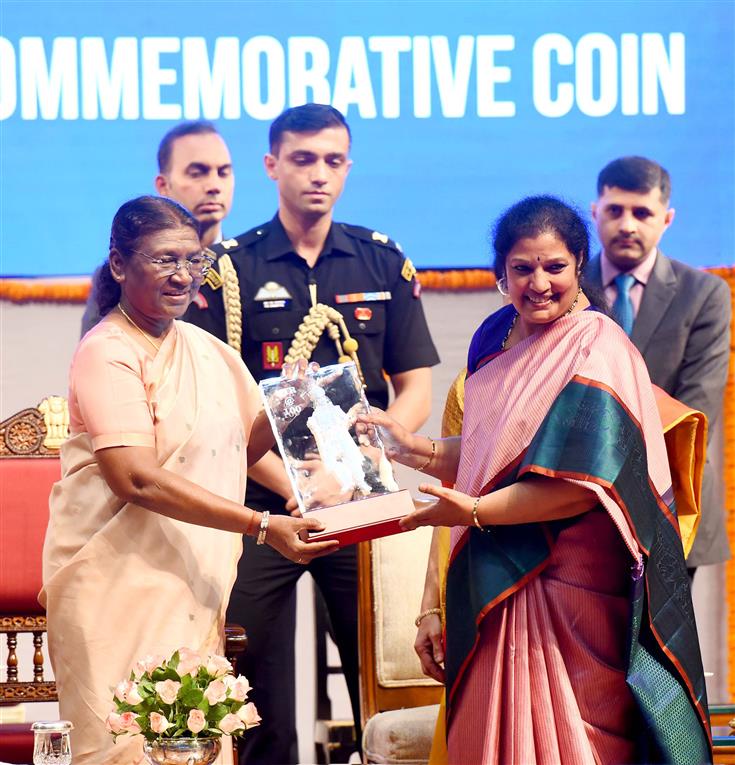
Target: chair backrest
391 583
29 466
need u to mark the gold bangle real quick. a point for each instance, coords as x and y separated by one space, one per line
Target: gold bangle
475 519
428 612
426 464
263 528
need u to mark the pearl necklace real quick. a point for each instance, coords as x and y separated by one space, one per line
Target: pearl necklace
515 318
157 346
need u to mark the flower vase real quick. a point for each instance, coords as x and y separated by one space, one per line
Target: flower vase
182 751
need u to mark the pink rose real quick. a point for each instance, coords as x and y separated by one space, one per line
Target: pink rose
168 690
189 662
218 666
128 723
238 687
127 691
112 723
196 721
121 689
133 697
249 715
158 722
216 692
230 723
147 664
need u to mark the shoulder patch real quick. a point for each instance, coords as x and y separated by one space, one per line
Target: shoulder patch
229 243
408 270
213 278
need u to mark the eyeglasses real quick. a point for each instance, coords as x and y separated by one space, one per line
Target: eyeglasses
196 265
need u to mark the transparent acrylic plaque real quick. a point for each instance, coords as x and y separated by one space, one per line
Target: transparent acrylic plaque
343 479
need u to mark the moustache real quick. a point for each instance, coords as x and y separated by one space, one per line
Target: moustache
627 240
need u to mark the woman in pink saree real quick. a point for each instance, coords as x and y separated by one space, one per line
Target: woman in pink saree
145 525
570 633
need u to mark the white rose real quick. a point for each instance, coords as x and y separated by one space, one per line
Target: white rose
230 723
158 722
249 715
216 692
168 690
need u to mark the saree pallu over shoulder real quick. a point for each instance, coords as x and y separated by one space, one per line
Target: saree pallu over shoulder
575 402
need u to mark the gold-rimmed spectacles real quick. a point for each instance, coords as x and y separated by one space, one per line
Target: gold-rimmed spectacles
167 265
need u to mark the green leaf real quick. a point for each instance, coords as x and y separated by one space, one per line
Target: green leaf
217 712
159 673
191 698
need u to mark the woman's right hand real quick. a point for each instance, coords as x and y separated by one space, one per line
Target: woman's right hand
428 646
285 535
397 441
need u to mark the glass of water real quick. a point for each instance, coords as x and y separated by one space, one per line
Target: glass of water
51 744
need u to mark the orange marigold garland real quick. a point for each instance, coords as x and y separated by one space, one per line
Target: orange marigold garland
458 279
62 290
76 289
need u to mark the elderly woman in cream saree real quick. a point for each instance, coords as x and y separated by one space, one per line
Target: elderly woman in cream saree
145 525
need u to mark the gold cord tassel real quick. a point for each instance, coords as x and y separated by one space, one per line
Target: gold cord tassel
319 318
232 302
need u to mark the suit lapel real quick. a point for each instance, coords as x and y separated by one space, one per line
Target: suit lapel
593 272
657 296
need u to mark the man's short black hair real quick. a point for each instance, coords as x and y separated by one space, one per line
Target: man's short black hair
635 174
165 148
308 118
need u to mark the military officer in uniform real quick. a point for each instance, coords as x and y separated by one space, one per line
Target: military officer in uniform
274 290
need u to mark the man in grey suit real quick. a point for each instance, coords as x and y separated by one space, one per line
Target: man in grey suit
677 316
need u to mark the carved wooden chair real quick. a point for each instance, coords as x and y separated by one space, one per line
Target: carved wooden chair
399 704
29 466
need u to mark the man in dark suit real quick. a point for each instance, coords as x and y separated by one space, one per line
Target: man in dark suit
677 316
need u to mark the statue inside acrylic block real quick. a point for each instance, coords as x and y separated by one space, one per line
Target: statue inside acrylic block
314 419
330 425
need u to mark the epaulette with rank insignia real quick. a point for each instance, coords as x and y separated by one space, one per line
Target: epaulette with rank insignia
231 246
371 236
252 236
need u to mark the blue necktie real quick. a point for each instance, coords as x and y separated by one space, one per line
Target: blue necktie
623 307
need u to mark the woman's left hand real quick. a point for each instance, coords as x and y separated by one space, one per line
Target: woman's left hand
452 508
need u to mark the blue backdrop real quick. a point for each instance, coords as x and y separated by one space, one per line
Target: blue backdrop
457 110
